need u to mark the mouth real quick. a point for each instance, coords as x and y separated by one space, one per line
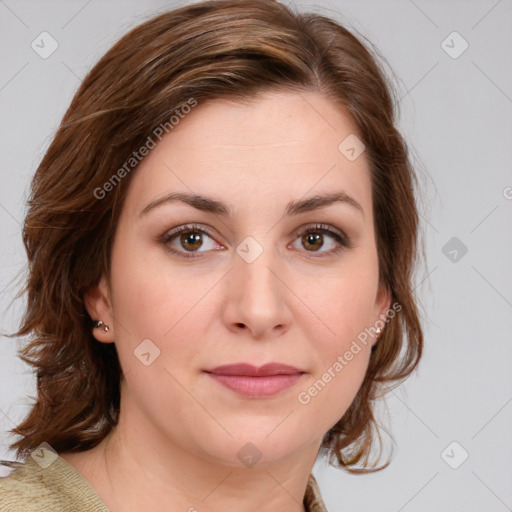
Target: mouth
258 382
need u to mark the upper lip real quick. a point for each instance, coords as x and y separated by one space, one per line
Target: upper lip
246 369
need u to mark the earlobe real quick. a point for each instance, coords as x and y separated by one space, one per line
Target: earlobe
98 305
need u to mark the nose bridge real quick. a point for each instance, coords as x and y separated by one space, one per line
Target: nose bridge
255 264
259 297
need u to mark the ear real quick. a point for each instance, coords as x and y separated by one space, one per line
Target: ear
382 306
99 306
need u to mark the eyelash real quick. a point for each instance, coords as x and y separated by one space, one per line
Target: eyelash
342 240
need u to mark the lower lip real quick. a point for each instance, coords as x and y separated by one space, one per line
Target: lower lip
257 386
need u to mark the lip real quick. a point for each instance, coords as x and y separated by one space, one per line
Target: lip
248 380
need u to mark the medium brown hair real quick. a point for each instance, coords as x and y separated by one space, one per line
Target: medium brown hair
205 51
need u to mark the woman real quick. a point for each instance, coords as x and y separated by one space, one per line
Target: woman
221 240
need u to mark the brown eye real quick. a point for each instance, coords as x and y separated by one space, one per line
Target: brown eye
191 240
186 241
312 241
322 240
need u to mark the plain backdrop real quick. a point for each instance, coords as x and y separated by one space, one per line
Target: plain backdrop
451 421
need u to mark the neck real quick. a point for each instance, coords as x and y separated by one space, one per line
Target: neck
132 473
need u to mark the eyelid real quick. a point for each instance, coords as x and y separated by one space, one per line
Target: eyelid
326 228
171 233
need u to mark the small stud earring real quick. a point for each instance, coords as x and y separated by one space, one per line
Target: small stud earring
99 323
378 331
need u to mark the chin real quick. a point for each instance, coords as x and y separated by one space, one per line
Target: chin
261 443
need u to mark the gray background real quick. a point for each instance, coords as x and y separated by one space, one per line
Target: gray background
456 115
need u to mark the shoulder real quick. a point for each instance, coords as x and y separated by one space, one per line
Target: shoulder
313 499
48 486
24 489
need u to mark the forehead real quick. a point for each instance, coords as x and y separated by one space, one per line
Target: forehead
270 120
278 145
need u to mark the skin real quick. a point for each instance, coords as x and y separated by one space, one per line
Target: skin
176 443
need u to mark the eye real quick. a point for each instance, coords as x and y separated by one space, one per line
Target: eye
188 239
313 239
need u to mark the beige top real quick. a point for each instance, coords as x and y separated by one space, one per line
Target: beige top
60 488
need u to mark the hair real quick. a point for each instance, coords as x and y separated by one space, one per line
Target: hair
230 49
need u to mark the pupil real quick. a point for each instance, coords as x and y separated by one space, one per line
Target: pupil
191 239
312 239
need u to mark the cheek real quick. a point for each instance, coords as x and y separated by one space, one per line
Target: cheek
152 294
345 306
155 300
345 309
328 395
340 366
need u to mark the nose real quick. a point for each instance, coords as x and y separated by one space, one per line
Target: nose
257 297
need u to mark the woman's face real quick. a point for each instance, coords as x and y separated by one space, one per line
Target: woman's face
261 274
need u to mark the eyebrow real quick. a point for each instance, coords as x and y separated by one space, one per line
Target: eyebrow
208 204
